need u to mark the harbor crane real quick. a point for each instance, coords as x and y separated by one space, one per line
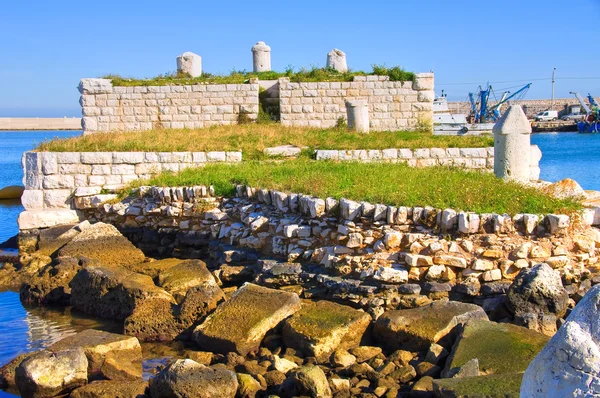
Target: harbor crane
482 112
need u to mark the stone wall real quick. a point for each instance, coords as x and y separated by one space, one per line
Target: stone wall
392 105
530 107
52 178
108 108
470 158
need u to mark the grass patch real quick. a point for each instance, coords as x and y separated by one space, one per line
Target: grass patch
313 74
252 139
395 184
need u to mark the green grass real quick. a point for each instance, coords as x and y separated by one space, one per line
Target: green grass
313 74
395 184
252 139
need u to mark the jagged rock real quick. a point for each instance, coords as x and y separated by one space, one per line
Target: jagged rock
569 365
423 388
7 372
110 356
498 347
104 243
247 386
95 290
469 369
153 268
535 293
47 373
33 263
111 389
51 284
342 358
306 381
199 301
179 279
566 188
417 328
153 320
496 385
319 329
240 323
53 238
186 378
365 353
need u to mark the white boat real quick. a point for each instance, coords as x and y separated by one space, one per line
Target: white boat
446 123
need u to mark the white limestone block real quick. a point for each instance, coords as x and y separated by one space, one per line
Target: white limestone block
512 143
190 63
357 113
31 219
569 364
95 86
423 82
32 199
336 59
261 57
58 198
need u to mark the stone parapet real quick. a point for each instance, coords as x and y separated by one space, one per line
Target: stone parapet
107 108
392 105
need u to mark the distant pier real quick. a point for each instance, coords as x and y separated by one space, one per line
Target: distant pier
40 123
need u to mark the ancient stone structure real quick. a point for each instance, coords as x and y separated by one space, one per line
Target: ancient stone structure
107 108
189 63
358 115
392 105
261 57
336 59
512 143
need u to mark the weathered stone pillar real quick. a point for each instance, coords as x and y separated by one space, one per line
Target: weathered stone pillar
261 57
190 63
357 112
512 145
336 59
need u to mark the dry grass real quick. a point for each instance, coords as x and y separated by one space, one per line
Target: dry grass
252 139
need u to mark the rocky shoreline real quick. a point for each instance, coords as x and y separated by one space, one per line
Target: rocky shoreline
373 308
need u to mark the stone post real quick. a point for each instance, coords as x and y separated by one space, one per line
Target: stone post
336 59
189 63
357 112
512 145
261 57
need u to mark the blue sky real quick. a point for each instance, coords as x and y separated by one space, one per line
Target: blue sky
47 46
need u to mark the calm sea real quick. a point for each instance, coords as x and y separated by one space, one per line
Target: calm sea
25 329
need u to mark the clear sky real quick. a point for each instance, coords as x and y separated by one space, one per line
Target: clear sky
47 46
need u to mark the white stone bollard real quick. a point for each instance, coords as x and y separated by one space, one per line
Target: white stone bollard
357 112
261 57
512 146
190 63
336 59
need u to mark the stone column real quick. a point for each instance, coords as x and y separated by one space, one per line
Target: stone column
261 57
512 145
357 112
336 59
189 63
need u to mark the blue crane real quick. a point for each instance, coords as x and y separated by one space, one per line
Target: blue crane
485 112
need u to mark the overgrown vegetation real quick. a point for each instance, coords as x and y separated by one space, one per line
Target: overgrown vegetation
396 184
314 74
253 138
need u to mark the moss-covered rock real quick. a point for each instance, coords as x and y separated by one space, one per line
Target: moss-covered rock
489 386
241 323
51 239
50 285
306 380
499 347
320 328
178 279
416 329
113 292
111 389
110 355
153 268
104 243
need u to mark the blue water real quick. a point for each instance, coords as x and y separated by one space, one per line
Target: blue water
570 155
12 146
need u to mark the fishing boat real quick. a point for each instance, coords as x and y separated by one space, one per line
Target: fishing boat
591 122
480 120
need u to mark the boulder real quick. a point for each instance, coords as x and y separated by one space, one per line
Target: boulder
153 268
178 279
492 386
104 243
308 381
7 372
248 386
536 293
50 285
109 355
417 328
498 348
186 378
569 365
113 292
241 323
52 239
566 188
320 328
47 373
111 389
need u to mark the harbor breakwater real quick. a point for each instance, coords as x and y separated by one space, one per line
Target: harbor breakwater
39 123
